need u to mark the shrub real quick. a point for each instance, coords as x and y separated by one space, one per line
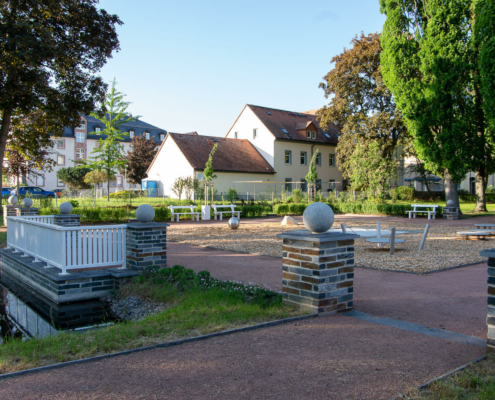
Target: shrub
232 195
297 195
74 203
406 193
394 195
124 194
289 209
162 214
490 189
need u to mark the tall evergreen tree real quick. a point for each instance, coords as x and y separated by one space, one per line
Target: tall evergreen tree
432 61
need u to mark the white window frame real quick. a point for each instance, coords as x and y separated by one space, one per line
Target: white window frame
60 183
162 137
314 134
97 130
120 181
43 180
318 160
288 153
131 133
331 160
308 134
255 133
63 143
58 159
80 151
147 135
305 154
80 137
288 184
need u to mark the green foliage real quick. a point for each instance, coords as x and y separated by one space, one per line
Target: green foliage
394 195
74 203
73 177
162 214
296 195
289 209
490 189
123 194
139 158
232 195
107 214
312 174
208 171
406 193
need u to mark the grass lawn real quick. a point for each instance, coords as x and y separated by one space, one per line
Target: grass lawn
196 305
476 382
3 239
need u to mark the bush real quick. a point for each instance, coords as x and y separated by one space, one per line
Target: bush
232 195
375 209
405 193
490 189
297 195
289 209
394 195
74 203
162 214
107 214
124 194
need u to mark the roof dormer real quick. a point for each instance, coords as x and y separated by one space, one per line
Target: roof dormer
307 129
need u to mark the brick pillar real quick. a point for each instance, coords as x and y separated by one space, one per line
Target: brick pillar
490 317
67 220
451 212
9 211
24 211
146 245
318 271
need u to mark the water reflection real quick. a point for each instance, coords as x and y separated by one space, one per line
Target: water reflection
25 314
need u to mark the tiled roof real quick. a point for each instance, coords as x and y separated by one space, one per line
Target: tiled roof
285 125
232 155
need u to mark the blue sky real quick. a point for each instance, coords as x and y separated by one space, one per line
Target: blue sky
192 65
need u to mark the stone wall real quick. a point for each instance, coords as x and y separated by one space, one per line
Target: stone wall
146 245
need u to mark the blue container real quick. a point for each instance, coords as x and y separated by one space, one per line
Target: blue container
151 188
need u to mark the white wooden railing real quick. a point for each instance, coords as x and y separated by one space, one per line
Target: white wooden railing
67 248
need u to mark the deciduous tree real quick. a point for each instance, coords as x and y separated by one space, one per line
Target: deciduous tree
437 61
74 177
139 158
50 54
361 105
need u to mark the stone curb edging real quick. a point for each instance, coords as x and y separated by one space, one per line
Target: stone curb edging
441 377
156 346
418 273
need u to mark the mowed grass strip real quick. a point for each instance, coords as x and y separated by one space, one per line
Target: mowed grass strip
196 312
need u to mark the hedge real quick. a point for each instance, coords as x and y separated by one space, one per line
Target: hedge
289 209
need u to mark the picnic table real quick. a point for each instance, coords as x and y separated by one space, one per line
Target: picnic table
423 208
191 212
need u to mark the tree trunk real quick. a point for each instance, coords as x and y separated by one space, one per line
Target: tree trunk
4 134
451 190
108 189
480 192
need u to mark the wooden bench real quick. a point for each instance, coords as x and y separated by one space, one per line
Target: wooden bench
231 210
191 212
417 209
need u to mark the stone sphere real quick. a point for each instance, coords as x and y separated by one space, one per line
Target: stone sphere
450 203
145 213
318 217
65 208
13 200
27 202
233 223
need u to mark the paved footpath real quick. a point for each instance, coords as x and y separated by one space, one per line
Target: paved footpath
406 330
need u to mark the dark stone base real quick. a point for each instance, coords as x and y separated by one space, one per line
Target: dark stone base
76 286
450 213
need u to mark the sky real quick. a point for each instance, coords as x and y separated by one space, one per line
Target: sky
192 65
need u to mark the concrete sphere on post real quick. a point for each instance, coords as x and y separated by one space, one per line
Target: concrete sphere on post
145 213
27 202
318 217
13 200
233 223
450 203
65 208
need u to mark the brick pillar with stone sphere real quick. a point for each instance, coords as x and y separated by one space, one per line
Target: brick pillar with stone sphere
490 317
146 241
318 266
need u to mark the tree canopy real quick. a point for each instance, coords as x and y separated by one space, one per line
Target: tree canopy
360 104
437 60
50 54
73 177
139 158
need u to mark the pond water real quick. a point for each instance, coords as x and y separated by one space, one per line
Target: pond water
25 314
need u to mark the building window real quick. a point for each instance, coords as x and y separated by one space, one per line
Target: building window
80 137
147 135
318 185
97 130
331 160
120 181
331 185
255 133
318 160
304 185
236 134
314 134
82 125
288 157
131 134
60 160
162 137
308 134
304 158
60 183
80 154
40 180
112 183
60 144
288 186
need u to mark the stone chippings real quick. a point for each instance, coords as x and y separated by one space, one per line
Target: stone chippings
490 318
146 246
318 277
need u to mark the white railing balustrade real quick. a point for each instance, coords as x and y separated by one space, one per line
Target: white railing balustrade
68 248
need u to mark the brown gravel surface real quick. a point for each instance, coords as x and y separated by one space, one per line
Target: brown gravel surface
443 249
329 357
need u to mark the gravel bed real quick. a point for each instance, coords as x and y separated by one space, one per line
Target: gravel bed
443 249
133 308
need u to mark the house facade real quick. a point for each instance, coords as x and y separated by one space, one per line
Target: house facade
77 143
265 152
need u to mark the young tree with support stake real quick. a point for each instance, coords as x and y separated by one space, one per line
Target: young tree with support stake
312 176
208 173
51 52
437 60
109 155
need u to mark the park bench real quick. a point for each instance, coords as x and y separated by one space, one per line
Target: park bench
474 235
423 208
231 210
191 212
